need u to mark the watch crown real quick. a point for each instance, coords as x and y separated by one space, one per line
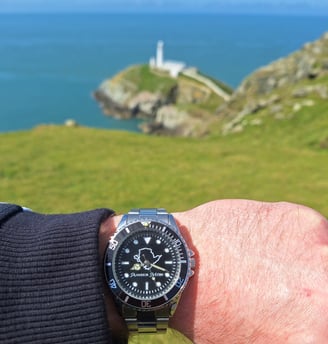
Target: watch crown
191 272
192 263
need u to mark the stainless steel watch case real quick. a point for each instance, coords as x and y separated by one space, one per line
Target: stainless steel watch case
144 315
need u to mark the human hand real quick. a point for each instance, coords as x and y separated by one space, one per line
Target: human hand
261 274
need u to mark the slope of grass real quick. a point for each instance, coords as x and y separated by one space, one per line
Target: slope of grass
146 80
58 169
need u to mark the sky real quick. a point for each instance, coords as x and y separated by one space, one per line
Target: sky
237 6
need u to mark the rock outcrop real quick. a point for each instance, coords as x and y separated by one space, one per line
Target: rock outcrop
173 106
280 89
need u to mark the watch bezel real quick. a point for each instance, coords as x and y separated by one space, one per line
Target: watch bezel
113 246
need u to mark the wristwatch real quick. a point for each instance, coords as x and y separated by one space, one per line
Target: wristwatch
147 266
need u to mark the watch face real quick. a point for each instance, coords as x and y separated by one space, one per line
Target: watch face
146 264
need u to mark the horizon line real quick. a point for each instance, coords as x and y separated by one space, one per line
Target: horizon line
299 12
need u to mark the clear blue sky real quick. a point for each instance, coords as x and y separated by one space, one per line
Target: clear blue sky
270 6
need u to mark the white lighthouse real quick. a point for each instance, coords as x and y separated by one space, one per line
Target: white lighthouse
158 62
160 54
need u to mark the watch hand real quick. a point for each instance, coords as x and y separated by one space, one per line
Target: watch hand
146 262
158 267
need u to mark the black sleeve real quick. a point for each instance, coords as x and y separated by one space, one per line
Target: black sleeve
50 278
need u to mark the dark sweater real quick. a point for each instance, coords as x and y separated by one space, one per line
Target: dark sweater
51 278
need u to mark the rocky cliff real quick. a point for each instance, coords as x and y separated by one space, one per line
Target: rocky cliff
187 107
281 89
182 106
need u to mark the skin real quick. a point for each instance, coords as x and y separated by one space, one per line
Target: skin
261 274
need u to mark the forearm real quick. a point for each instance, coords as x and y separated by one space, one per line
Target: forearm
50 286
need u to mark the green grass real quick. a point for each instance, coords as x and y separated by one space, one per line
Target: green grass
147 80
58 169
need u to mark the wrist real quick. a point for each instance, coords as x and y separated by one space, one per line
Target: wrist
183 319
201 302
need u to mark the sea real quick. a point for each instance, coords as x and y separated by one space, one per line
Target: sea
50 64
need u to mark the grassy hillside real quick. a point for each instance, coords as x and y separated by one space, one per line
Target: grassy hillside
59 169
143 79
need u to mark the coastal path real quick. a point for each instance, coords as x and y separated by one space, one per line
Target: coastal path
192 73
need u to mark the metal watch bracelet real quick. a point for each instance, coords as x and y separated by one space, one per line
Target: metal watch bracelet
150 321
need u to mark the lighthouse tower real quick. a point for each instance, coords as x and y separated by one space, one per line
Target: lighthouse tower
160 54
172 67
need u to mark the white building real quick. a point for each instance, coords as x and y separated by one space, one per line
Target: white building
158 62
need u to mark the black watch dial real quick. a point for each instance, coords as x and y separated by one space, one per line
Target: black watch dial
149 262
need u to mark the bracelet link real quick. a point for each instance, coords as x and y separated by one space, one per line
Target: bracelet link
146 322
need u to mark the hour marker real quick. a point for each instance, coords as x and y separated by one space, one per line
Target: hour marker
125 263
158 284
136 242
127 230
135 284
168 262
147 240
158 241
127 250
146 285
166 250
167 274
109 263
126 275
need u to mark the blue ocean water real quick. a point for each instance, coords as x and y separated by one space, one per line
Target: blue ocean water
51 63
